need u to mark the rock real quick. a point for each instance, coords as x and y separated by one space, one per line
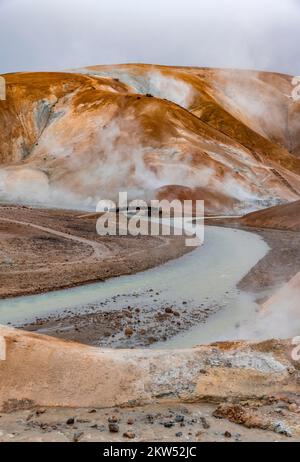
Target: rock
92 411
281 429
113 427
204 423
169 424
280 411
129 435
130 421
178 434
77 436
113 419
168 310
234 413
237 437
150 418
179 418
227 434
70 421
293 407
244 416
128 331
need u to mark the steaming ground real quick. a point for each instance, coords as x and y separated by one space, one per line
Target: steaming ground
70 139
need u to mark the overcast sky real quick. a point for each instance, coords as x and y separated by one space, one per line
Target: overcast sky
58 34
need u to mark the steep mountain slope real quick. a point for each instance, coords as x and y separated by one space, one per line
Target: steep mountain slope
76 137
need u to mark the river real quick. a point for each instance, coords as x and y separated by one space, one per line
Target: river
206 276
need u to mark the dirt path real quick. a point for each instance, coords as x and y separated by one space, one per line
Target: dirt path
99 249
43 250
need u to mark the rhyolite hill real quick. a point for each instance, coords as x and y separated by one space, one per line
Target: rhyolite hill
229 137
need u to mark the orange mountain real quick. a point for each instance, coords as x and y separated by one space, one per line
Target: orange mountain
229 137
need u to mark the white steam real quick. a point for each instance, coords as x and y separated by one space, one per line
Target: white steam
97 164
278 317
155 83
259 104
170 88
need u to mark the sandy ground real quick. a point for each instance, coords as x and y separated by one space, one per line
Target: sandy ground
249 421
43 250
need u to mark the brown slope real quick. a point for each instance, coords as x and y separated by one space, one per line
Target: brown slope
237 103
244 104
30 99
281 217
76 137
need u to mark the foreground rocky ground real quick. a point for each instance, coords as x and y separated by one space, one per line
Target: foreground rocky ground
273 420
52 390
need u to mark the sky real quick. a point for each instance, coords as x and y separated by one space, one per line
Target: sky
62 34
